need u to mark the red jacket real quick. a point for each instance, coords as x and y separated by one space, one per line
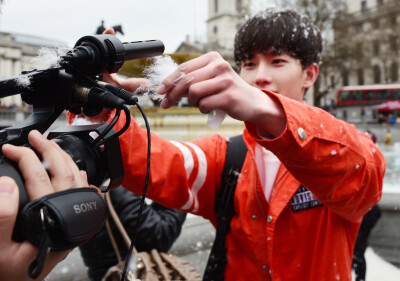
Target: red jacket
330 176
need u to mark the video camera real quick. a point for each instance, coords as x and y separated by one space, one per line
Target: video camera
74 84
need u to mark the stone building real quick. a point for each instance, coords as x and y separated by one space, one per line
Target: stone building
224 17
16 53
366 44
375 26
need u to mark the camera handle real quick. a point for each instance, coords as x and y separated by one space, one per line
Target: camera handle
61 221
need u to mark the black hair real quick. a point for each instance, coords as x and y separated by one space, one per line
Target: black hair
283 31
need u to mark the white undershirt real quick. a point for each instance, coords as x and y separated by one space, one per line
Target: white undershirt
267 166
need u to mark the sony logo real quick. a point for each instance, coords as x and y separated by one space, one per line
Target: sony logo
85 207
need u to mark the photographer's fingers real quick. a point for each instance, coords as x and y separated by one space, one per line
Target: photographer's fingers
24 253
37 182
11 260
63 171
16 257
8 209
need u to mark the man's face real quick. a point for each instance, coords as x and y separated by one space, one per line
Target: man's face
279 73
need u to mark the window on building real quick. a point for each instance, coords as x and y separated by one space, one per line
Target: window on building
393 43
215 29
379 2
359 27
376 47
359 49
345 77
394 71
363 6
333 81
239 5
375 24
216 6
360 76
377 74
393 18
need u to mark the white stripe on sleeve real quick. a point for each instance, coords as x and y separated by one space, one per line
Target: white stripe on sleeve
187 156
189 165
201 175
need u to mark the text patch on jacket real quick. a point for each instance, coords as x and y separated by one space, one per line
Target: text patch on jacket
303 199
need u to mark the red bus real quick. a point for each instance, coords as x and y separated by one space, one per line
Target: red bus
357 103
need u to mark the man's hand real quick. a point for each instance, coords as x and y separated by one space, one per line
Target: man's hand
209 82
15 258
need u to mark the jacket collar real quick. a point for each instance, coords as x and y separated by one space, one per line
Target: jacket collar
282 193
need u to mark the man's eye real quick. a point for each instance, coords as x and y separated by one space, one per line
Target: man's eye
248 64
278 61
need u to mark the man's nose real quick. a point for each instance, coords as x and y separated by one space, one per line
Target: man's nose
263 76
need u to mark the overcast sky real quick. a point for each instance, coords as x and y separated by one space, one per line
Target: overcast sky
69 20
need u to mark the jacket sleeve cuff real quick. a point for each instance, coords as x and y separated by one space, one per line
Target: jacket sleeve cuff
294 133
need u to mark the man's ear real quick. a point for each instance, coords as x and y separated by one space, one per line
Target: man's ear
310 75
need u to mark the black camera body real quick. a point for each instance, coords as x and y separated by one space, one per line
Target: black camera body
62 220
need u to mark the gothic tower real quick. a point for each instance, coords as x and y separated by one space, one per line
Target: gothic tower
224 17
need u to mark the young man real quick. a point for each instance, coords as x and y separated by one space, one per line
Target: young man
307 179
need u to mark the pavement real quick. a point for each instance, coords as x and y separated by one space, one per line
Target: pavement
194 246
378 269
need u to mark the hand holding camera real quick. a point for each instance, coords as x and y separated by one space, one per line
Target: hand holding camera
65 219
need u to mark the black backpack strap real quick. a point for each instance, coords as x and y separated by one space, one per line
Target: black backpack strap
235 155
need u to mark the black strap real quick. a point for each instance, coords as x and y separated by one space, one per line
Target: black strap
37 265
60 221
235 155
